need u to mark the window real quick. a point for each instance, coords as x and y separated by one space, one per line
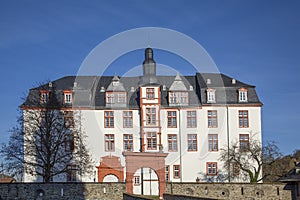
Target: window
172 98
69 143
244 142
172 121
68 96
68 119
178 97
151 116
212 118
136 180
192 142
172 142
212 142
150 93
44 96
211 95
72 173
122 97
212 168
108 119
115 97
43 116
176 171
182 97
167 172
235 169
191 119
127 119
243 119
243 96
151 141
109 142
41 142
128 142
110 97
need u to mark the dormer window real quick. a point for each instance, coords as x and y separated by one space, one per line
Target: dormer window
44 96
110 97
122 97
211 95
115 97
115 83
178 98
68 96
243 95
150 93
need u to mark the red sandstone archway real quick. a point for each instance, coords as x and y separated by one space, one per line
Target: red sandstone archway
136 160
110 165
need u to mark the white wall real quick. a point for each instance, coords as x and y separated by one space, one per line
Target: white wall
94 126
193 163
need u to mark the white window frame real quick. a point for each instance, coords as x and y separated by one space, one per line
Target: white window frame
44 96
152 140
243 95
68 97
212 168
151 116
109 140
136 180
178 97
211 95
191 121
172 119
127 119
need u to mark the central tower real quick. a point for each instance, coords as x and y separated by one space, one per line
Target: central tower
149 68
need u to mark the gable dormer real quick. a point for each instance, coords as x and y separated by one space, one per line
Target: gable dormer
115 94
116 85
178 93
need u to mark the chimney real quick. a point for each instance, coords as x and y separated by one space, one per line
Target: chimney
132 89
208 81
102 89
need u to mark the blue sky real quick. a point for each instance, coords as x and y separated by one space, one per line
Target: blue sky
257 42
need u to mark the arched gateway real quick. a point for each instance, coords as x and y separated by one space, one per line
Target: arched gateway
110 165
137 160
145 182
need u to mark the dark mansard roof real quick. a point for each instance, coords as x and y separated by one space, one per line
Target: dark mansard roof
89 91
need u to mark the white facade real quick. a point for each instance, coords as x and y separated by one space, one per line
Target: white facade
164 119
193 162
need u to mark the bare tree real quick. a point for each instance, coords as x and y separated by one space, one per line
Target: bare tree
249 159
281 166
49 140
221 177
12 153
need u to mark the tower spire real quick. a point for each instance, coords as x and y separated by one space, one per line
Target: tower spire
149 68
148 41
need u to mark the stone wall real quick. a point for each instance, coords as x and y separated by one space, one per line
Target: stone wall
231 191
63 191
114 191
